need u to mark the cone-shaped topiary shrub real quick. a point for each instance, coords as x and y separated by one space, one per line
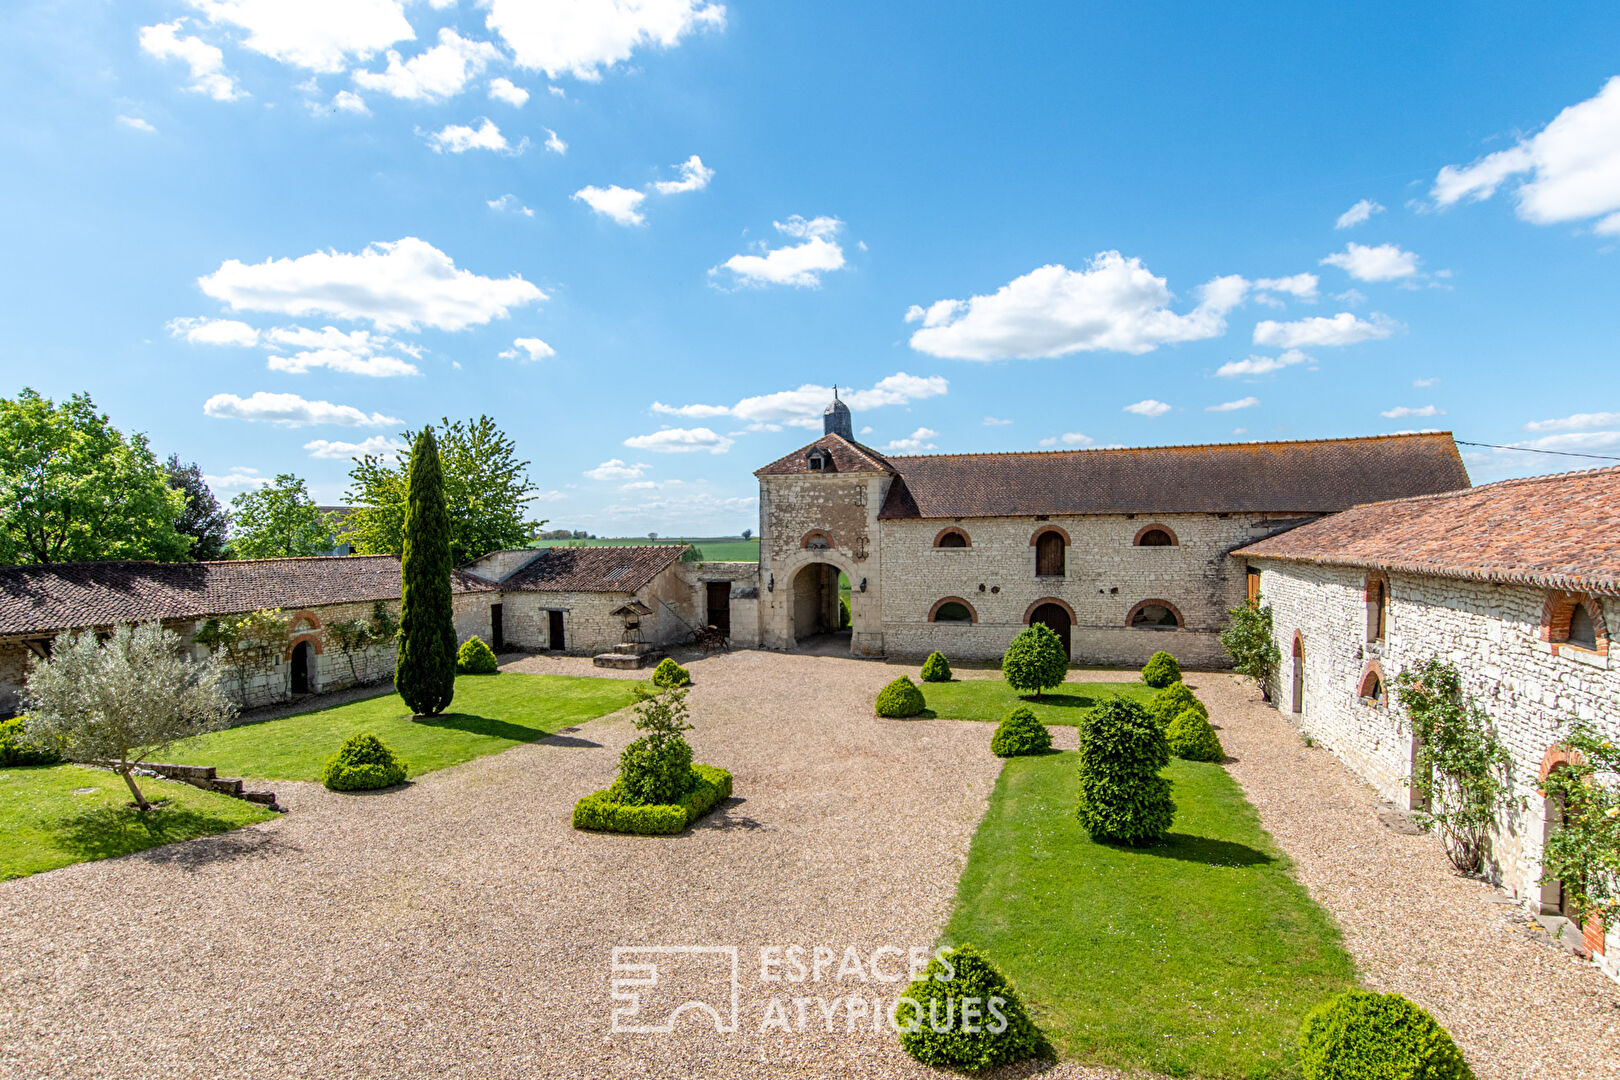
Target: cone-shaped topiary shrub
1161 670
900 699
1019 733
963 1014
475 658
668 674
1172 701
1359 1034
1035 660
1191 737
1122 796
936 668
425 672
362 763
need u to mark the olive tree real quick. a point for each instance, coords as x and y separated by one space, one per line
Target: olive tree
123 700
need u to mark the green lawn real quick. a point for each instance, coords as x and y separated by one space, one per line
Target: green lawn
489 714
991 699
1199 957
47 821
715 549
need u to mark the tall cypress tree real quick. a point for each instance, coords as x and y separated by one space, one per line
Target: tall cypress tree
425 674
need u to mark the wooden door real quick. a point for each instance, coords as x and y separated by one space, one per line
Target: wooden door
558 643
497 639
1049 555
719 596
300 668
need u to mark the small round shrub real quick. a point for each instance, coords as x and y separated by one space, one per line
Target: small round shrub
1172 701
900 699
1359 1035
948 1016
1191 737
1122 796
1020 733
17 748
1161 670
936 668
843 614
362 763
668 673
475 658
1035 660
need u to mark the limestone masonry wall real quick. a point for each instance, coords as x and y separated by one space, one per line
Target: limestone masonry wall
838 511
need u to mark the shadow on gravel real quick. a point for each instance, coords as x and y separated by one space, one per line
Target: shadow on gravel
1210 852
568 740
227 847
723 820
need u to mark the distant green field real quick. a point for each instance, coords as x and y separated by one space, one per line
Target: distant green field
715 549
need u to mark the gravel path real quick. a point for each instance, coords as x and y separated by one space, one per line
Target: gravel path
1520 1008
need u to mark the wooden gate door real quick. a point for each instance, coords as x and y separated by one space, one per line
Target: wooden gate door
719 596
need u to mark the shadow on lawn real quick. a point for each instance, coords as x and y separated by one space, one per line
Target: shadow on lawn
108 831
485 725
1209 851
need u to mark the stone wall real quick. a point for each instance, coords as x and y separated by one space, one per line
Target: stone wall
744 580
800 514
1493 635
1106 576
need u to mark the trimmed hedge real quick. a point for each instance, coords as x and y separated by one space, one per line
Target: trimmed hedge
475 658
1172 701
1360 1035
1191 737
668 673
939 1009
1020 732
362 763
1035 660
900 699
843 614
1161 670
16 748
604 811
936 668
1122 796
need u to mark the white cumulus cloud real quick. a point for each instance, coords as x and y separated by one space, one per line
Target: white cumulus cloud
510 204
1301 286
350 102
237 478
1568 171
1341 329
802 408
695 176
1148 407
207 62
554 142
563 37
205 331
681 441
290 410
320 35
1402 412
504 89
397 285
616 469
1069 438
1360 212
378 446
348 361
800 265
995 421
1113 304
459 138
529 349
1262 365
1233 406
1386 262
918 440
436 74
135 123
1575 422
617 203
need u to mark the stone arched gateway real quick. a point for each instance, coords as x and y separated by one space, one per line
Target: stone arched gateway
807 583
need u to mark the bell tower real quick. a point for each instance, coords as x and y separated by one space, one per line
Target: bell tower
837 419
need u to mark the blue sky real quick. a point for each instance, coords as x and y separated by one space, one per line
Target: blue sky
269 231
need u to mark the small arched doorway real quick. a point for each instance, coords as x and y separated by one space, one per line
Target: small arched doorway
1299 674
1055 616
1552 818
821 594
300 667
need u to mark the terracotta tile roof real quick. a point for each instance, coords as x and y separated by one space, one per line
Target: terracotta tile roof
65 596
1292 477
605 568
847 457
1561 532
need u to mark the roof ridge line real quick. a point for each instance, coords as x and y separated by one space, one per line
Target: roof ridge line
1176 446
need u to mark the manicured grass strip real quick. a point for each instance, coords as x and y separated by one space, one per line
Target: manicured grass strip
489 714
992 699
1196 958
44 824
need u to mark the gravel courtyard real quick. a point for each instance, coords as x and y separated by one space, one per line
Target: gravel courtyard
460 926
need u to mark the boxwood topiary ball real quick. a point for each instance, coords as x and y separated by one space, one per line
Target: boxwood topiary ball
1161 670
362 763
1172 701
900 699
1359 1034
669 674
936 668
475 658
963 1014
1020 733
1123 798
1191 737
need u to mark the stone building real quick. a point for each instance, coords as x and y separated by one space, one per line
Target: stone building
1516 584
1122 552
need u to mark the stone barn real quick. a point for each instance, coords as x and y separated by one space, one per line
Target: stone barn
1517 584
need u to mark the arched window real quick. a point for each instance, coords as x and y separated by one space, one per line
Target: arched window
1376 593
1049 553
1575 622
816 540
952 609
1154 615
1155 536
1371 689
952 538
1582 630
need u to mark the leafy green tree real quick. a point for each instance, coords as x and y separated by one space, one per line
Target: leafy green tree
75 489
1250 643
1035 660
203 519
279 520
425 672
486 494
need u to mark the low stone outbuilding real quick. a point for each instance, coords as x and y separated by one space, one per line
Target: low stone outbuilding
1517 584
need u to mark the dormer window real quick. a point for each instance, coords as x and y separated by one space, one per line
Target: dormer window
819 460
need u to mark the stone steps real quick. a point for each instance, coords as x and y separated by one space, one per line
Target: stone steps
628 656
204 777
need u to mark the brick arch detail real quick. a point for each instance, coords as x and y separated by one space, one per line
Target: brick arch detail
1035 537
804 541
1373 667
973 614
1374 577
1299 645
1557 756
1167 530
308 616
1181 622
314 639
1560 608
943 533
1042 602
